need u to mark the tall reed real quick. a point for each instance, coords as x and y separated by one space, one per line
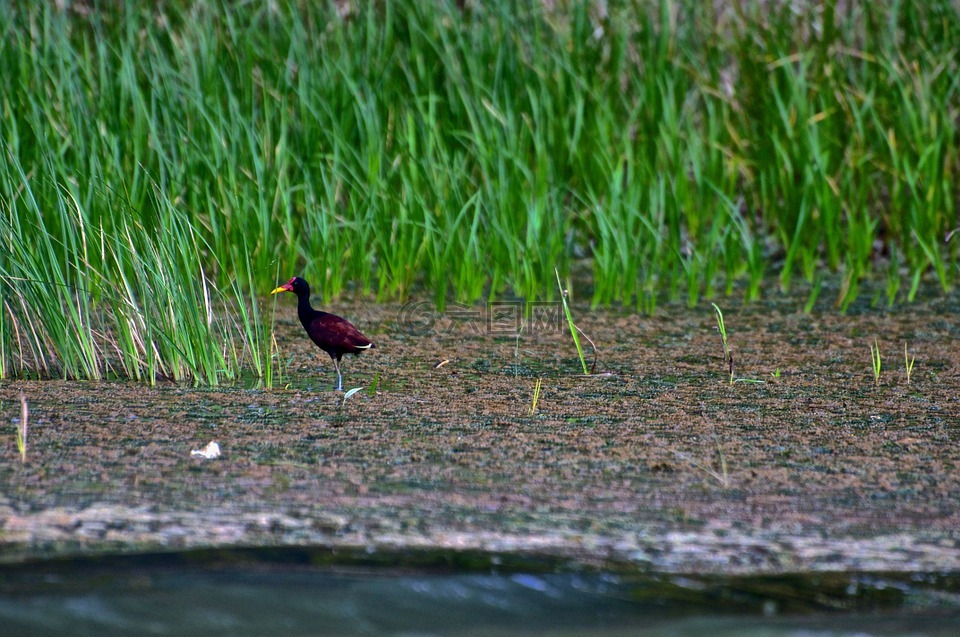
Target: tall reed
162 163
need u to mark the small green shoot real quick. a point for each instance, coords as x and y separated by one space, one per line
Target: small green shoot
722 328
573 327
22 428
536 396
375 384
908 361
728 354
875 361
775 374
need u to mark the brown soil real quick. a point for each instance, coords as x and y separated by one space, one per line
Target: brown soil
655 462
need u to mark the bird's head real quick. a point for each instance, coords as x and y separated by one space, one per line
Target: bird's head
296 285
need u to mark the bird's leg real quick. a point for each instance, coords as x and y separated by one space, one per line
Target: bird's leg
336 364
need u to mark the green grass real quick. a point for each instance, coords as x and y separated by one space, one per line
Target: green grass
908 362
574 330
21 429
160 166
875 362
728 351
722 330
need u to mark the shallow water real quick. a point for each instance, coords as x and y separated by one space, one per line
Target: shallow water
244 599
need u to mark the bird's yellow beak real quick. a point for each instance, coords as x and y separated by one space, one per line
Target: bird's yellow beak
286 287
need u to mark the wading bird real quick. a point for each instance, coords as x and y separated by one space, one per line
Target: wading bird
333 334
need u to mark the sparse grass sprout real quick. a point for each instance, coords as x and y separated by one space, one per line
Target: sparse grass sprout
22 428
573 328
908 362
536 396
722 329
875 361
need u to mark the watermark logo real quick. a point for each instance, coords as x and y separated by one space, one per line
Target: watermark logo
495 318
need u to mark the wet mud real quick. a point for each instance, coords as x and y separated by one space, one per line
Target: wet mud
656 462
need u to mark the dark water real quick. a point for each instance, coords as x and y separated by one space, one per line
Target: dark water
61 599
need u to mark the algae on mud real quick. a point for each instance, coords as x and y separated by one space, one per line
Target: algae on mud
822 469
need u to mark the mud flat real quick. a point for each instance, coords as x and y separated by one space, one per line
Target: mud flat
657 463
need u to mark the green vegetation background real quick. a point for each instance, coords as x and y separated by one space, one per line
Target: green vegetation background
164 165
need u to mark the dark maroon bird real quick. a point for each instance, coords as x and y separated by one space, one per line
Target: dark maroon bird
333 334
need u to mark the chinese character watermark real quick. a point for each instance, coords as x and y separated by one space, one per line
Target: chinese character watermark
495 318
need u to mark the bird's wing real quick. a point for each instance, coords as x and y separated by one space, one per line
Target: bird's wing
329 330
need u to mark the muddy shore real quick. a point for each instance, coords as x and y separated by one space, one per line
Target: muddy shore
656 463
